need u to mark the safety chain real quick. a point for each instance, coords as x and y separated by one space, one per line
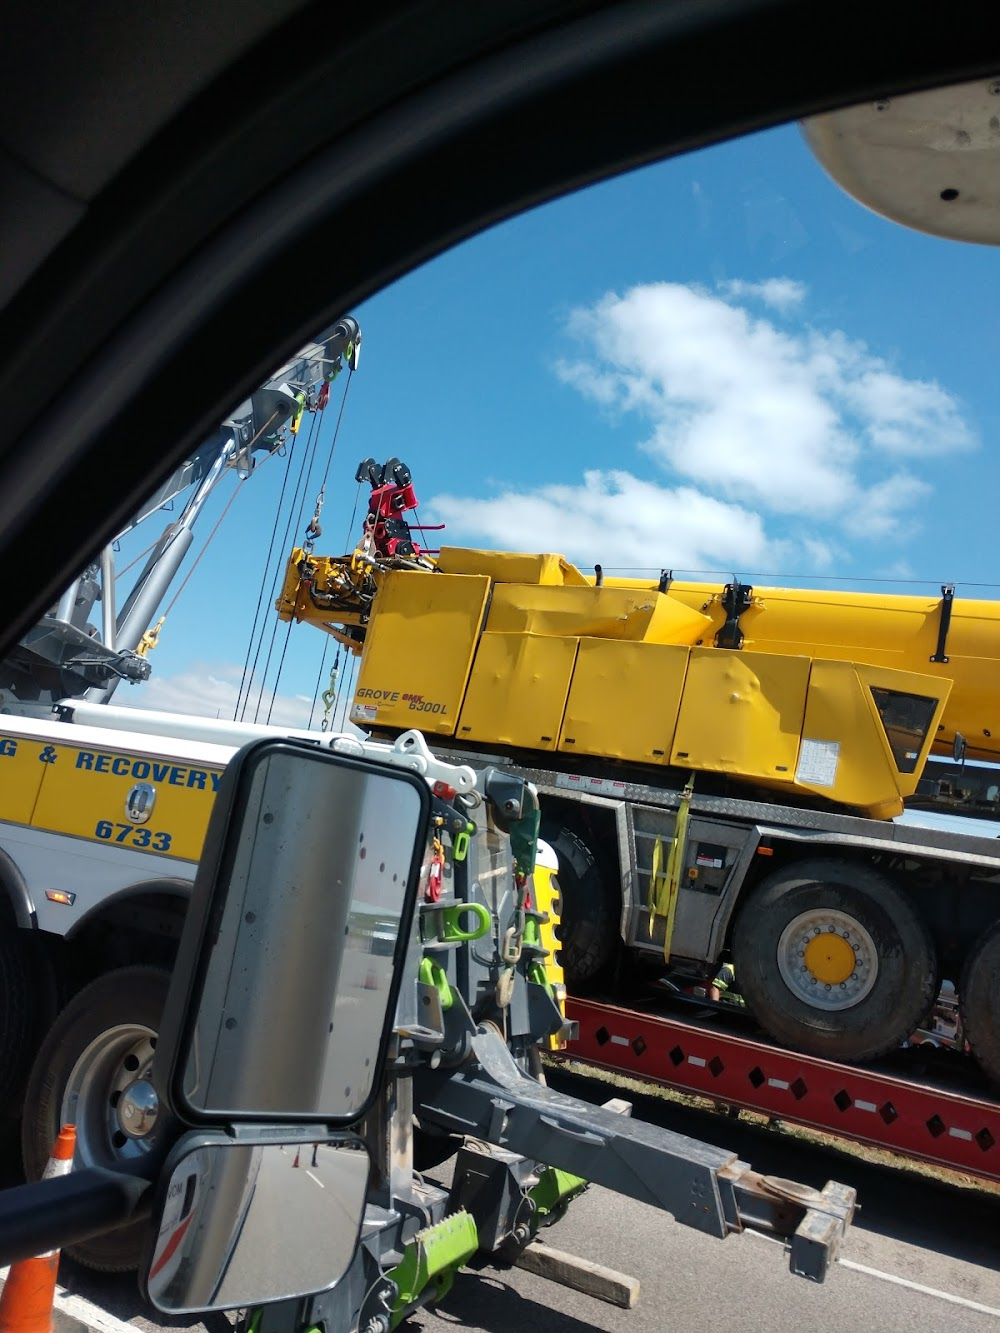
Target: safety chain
513 943
330 694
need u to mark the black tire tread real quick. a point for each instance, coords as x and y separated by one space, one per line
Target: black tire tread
589 938
18 1013
978 1002
136 993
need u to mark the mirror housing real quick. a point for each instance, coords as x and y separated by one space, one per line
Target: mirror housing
237 1219
299 922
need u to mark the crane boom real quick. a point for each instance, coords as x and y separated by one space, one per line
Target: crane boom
67 656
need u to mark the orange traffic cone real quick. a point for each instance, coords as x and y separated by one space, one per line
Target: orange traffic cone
29 1292
295 1163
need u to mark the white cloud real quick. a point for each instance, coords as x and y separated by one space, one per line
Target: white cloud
763 432
733 404
615 518
212 690
909 417
898 569
780 293
892 415
880 510
820 553
787 420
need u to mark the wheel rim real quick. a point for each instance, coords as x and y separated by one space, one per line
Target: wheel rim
827 959
109 1098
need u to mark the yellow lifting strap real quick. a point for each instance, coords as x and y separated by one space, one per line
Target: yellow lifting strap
665 881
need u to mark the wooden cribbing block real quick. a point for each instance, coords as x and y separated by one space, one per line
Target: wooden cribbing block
619 1105
604 1284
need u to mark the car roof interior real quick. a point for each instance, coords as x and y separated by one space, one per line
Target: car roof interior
168 173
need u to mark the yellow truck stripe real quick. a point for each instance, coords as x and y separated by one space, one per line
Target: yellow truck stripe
85 792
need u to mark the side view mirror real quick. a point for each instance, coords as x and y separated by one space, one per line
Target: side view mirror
238 1220
310 855
277 1021
302 913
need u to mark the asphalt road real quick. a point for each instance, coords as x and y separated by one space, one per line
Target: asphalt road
919 1255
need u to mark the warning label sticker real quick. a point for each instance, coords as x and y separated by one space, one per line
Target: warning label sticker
818 762
364 713
575 781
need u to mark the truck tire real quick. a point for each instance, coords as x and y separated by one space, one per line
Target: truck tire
100 1044
433 1148
20 1016
979 1002
832 960
589 929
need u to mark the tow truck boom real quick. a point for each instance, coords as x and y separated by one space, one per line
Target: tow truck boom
65 655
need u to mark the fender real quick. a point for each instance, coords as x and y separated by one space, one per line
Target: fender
15 891
146 888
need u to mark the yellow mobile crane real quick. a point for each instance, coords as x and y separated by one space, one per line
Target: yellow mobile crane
719 769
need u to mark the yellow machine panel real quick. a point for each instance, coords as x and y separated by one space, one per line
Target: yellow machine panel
624 700
604 613
319 589
741 713
509 566
522 650
419 649
901 632
89 793
517 690
23 763
846 752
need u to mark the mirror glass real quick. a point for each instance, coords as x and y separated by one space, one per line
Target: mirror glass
240 1222
312 903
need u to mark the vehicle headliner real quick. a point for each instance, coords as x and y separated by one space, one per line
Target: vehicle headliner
167 175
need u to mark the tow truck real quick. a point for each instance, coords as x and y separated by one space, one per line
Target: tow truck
104 817
406 944
402 936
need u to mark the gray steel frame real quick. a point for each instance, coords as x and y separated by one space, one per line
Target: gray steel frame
702 918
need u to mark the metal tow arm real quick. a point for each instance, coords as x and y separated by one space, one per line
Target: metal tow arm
702 1186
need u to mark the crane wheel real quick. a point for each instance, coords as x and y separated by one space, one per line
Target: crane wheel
979 1002
591 908
92 1071
833 960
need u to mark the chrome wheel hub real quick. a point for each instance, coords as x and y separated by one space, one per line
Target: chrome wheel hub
110 1099
137 1109
827 959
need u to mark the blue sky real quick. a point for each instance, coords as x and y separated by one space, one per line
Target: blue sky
716 363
